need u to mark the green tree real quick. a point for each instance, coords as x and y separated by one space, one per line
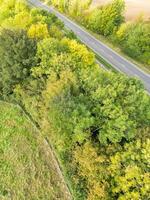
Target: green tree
114 171
134 39
105 20
137 44
61 4
11 8
17 56
119 104
7 9
55 32
44 17
130 175
122 33
22 20
56 56
92 171
38 31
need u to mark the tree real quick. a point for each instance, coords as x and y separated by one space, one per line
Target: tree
92 171
56 56
11 8
44 17
114 171
38 31
17 56
7 9
74 7
122 33
55 32
134 39
115 105
105 20
47 49
130 170
61 4
137 44
119 105
21 20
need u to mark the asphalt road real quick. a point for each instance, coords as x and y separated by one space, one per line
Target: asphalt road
118 62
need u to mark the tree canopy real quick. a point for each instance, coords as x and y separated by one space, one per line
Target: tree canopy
106 19
97 121
17 56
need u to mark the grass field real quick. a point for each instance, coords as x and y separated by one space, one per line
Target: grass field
133 8
27 170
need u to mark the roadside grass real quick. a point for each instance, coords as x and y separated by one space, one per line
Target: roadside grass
104 63
27 169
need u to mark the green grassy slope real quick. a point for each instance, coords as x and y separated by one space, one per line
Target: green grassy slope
25 172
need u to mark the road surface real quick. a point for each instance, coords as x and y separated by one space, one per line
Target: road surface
118 62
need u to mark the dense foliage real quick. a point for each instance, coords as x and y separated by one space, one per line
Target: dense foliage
135 40
105 20
98 121
17 53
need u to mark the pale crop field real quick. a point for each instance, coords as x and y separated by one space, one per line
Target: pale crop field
134 8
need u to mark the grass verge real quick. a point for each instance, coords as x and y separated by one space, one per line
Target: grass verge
27 166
